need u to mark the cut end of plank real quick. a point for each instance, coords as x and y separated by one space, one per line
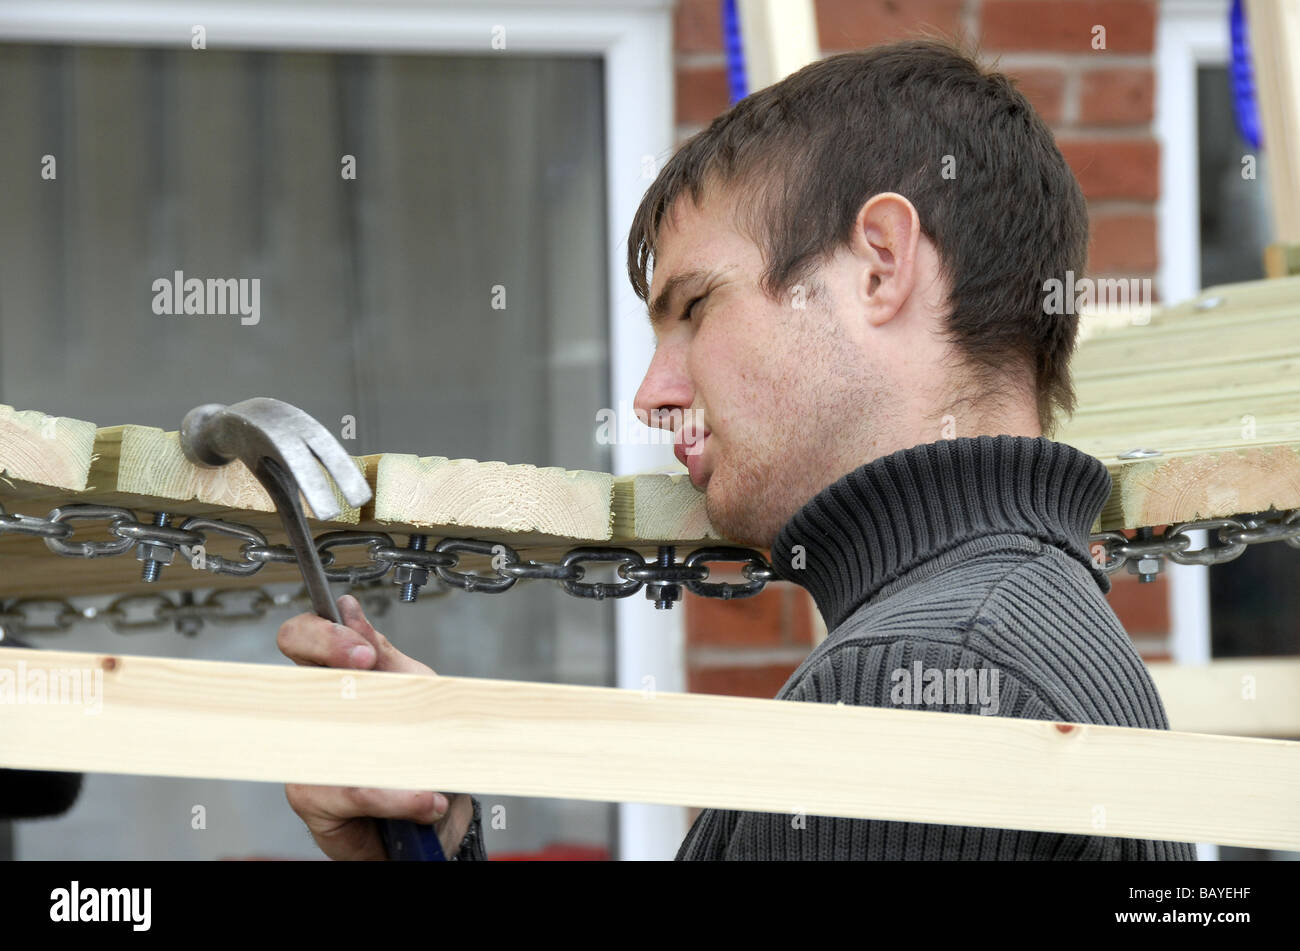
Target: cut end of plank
40 451
437 492
661 507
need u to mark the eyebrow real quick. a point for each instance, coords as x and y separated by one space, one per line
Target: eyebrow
662 305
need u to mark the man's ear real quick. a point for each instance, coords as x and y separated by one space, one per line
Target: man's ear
885 238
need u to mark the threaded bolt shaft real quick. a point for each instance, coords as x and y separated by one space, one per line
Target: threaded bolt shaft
410 589
149 568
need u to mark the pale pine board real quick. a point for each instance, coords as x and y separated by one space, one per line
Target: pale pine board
169 717
1247 696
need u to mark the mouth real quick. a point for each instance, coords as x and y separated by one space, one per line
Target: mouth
689 448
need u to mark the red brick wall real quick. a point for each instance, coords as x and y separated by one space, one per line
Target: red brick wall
1099 102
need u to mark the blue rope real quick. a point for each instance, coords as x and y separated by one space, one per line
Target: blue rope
1243 79
736 83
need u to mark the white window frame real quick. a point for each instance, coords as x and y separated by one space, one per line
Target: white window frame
634 39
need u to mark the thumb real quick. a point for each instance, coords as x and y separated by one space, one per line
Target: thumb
387 657
355 618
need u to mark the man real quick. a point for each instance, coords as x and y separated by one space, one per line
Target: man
848 296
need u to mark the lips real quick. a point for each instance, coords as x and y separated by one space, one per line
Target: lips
688 449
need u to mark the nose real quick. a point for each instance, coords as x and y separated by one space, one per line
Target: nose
666 387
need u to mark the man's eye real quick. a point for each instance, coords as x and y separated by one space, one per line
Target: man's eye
690 308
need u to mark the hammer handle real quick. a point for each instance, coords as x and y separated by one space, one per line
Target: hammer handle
404 841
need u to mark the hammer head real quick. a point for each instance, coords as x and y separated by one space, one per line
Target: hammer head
213 435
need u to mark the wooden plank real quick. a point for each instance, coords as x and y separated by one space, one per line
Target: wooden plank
1248 696
1162 491
456 496
39 451
141 465
779 38
1275 49
166 717
1282 259
1214 388
660 507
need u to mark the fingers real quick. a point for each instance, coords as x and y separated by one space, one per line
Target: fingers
310 640
340 818
388 657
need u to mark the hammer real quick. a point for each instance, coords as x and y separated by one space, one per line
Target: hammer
282 446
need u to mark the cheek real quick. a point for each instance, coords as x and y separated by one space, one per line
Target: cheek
730 364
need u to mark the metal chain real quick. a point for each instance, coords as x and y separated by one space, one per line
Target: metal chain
1144 553
155 612
662 577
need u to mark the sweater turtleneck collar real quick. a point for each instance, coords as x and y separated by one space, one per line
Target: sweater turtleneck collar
891 515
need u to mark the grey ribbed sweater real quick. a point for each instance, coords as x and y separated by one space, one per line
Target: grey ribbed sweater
961 555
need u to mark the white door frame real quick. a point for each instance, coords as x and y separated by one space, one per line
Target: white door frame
1190 33
634 38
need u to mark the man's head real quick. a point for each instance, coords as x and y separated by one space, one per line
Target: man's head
852 262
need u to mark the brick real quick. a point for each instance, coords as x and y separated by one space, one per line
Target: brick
1143 609
762 682
1123 244
702 94
1067 27
1114 168
749 622
1044 88
697 26
1117 96
853 24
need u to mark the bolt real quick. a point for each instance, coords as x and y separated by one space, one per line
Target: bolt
153 555
1148 566
411 578
664 593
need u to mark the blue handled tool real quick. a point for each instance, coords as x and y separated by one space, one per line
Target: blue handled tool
286 450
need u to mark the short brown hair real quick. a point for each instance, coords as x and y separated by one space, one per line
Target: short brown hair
808 151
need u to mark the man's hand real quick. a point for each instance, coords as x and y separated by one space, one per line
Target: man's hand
341 818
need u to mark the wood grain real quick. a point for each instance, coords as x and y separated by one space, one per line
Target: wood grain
170 717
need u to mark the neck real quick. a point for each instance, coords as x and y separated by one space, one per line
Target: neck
890 516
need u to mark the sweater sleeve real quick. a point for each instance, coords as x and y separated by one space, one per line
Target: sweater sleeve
883 673
471 846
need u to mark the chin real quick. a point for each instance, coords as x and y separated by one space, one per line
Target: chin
742 516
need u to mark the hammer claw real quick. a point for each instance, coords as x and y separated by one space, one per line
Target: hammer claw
350 480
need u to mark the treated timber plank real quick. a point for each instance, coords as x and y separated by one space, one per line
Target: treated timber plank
1247 696
140 464
38 452
1216 389
660 507
1274 42
1163 491
167 717
525 502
